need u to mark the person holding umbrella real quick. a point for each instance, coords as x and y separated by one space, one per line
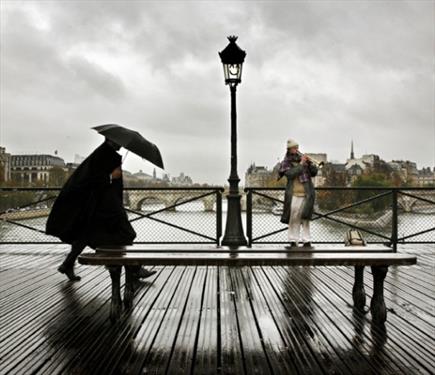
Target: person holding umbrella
89 210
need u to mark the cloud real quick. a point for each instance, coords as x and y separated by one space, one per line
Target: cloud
96 78
321 72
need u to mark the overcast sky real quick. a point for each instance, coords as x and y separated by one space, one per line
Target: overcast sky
321 72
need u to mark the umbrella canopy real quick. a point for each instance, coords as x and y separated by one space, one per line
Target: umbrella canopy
132 141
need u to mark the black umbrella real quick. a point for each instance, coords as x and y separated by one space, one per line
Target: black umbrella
132 141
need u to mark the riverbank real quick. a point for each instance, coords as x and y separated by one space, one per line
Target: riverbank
24 215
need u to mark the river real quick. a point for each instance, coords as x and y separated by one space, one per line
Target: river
193 218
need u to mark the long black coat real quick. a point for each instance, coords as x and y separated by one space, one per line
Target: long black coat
89 207
310 194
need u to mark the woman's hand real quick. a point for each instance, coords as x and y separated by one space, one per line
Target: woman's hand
116 173
304 159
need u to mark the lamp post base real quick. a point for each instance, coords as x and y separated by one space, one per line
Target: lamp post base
234 236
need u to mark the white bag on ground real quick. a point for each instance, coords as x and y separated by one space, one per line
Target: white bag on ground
354 238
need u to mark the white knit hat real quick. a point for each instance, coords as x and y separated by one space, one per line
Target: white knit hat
292 143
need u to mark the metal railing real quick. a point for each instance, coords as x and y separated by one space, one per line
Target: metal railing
191 215
388 216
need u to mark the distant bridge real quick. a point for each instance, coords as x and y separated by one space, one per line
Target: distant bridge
170 199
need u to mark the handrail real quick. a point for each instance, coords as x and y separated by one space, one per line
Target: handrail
399 234
191 194
382 192
181 188
350 188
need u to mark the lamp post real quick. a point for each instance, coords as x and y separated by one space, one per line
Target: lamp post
232 58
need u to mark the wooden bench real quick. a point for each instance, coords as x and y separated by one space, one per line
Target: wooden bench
378 258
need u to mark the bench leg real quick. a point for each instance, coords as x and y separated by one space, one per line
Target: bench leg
115 306
130 281
358 292
377 305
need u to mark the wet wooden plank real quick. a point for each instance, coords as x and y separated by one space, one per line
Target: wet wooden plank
40 330
232 356
421 285
161 352
301 359
157 355
389 353
274 345
40 300
398 329
333 321
149 324
184 346
412 317
77 326
110 352
40 303
207 351
255 357
52 326
407 296
50 285
313 325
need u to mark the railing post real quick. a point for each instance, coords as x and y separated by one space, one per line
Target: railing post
249 216
394 221
218 217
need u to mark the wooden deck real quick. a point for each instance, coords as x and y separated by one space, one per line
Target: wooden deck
205 320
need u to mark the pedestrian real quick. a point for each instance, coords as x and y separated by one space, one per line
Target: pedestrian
299 194
89 210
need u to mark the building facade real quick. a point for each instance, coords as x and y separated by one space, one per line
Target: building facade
182 180
5 165
32 168
407 170
257 176
426 177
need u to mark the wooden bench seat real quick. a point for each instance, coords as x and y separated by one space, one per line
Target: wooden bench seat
379 260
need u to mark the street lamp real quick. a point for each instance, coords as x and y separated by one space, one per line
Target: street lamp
232 58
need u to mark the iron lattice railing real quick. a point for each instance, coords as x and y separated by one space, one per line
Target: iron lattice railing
194 215
384 215
159 215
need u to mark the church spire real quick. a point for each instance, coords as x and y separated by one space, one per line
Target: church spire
352 156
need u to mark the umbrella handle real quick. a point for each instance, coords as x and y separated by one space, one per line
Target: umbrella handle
123 159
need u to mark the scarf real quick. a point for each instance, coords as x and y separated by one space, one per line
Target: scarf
288 162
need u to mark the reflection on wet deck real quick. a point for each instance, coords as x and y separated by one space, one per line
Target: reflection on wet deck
251 320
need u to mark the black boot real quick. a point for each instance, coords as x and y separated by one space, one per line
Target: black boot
143 273
67 267
68 271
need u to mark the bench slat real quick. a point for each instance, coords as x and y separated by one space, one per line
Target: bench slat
327 248
247 259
